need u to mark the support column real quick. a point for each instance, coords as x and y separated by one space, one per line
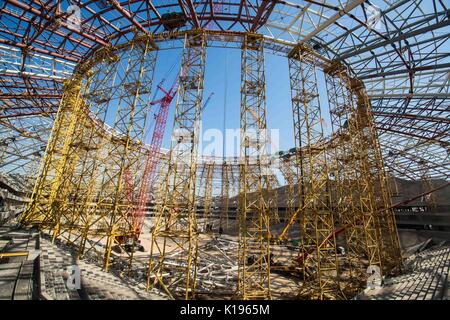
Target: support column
387 230
318 249
46 203
80 193
50 197
207 197
89 141
225 195
176 223
253 215
272 195
114 219
289 176
352 198
369 221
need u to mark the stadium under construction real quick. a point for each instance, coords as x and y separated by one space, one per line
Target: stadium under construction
106 194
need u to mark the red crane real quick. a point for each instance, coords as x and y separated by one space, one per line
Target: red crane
207 100
152 154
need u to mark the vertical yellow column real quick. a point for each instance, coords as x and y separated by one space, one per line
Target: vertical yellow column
253 211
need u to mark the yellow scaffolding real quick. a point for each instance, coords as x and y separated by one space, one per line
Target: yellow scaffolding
318 249
352 198
206 183
253 211
225 196
79 193
387 228
175 228
289 175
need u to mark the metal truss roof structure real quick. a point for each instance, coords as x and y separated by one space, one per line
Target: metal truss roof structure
400 49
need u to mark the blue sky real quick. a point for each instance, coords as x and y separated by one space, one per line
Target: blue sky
225 64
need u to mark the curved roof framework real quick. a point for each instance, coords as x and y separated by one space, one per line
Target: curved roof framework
399 49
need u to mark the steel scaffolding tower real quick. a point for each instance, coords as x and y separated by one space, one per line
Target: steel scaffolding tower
390 254
81 94
361 184
176 219
272 195
225 195
351 194
289 175
207 196
36 58
51 188
79 194
253 212
124 152
318 250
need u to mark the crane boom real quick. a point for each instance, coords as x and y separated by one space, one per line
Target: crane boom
207 100
152 155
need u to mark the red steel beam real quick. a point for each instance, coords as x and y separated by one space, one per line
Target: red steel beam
130 18
127 15
152 6
46 44
39 50
29 96
264 11
192 12
28 114
95 15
